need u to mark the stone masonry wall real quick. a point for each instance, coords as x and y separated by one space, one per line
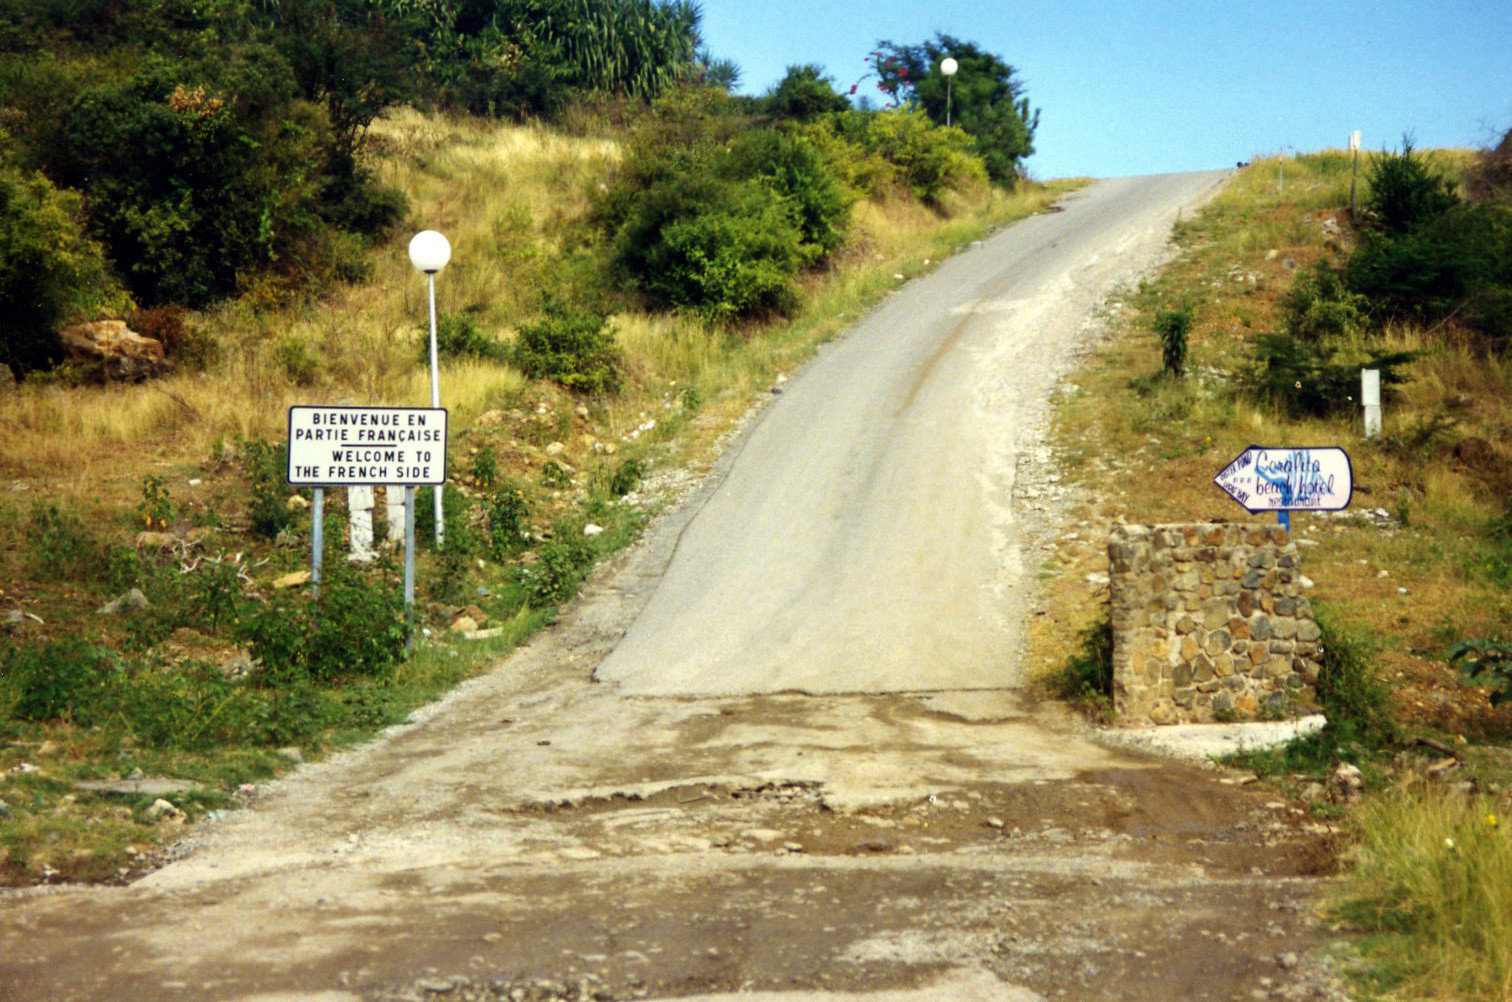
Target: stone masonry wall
1209 623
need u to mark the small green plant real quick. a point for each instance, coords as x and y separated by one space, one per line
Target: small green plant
555 475
268 511
485 468
61 544
1174 327
298 362
625 477
1352 694
560 567
1485 662
570 346
156 507
507 512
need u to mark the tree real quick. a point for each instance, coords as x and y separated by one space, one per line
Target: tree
803 94
985 97
48 269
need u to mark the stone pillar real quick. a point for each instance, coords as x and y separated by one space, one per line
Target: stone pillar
1209 623
360 515
393 496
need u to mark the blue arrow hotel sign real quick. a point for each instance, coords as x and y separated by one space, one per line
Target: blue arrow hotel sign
1262 478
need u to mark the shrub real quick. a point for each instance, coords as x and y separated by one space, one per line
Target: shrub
791 167
454 512
189 346
485 468
927 159
357 627
1319 306
1087 675
1307 380
804 93
49 270
571 346
1459 263
61 544
1173 327
1485 662
458 336
1406 192
560 567
1356 701
61 679
720 248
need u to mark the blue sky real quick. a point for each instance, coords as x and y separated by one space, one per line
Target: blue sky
1145 86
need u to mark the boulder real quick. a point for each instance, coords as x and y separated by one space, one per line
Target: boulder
131 601
112 352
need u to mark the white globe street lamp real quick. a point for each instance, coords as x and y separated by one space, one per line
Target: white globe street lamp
948 67
429 251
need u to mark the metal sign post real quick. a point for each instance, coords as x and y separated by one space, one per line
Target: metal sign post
317 539
1285 479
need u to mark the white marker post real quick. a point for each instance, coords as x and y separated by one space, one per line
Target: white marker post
1370 399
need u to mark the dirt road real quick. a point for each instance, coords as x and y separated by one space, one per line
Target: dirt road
806 769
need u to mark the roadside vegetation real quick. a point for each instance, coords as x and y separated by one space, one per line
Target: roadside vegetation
1255 333
638 258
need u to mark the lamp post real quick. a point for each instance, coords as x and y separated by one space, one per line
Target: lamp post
948 67
429 251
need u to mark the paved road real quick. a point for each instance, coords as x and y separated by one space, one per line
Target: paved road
538 835
863 538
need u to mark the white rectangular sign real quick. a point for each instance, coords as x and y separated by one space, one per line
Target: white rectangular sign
1354 140
350 446
1289 479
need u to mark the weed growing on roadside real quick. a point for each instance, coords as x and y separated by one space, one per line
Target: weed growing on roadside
1174 326
156 507
1086 677
485 468
561 565
266 465
507 511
